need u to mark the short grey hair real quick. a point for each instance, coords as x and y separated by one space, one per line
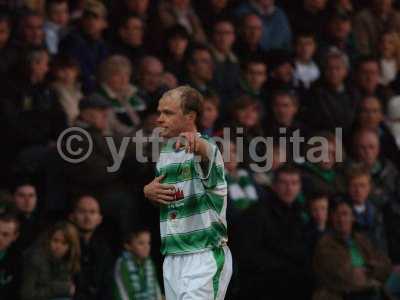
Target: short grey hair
336 53
114 64
191 100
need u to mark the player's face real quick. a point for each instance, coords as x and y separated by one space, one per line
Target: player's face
140 245
171 118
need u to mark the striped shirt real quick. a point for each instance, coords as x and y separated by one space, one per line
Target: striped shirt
241 190
196 221
135 281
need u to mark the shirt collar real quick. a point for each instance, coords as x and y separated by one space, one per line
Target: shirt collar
220 57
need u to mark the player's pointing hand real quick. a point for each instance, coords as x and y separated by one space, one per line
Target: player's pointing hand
158 192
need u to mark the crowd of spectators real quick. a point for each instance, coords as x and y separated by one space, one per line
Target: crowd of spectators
300 230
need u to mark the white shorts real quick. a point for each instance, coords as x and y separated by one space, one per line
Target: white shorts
198 276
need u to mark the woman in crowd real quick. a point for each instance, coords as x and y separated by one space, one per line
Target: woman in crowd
51 266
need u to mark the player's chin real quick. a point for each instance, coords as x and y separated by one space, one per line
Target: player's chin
165 133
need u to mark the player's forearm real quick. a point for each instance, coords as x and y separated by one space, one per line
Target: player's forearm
203 150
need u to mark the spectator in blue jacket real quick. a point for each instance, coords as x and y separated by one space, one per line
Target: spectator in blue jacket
276 30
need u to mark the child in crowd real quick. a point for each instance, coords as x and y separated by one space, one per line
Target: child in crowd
51 266
368 218
65 71
135 276
306 70
210 114
319 212
389 56
10 258
55 27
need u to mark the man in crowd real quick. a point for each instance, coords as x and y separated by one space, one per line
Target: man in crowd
271 248
94 281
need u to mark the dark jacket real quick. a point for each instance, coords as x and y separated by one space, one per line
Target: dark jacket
95 278
391 217
10 274
91 176
370 223
270 251
333 268
44 277
88 52
329 109
315 179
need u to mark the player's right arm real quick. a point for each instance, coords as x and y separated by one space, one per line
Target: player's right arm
158 192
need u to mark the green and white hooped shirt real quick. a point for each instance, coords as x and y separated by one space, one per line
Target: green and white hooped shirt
241 190
196 221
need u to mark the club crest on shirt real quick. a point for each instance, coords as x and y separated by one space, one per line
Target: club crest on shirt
185 172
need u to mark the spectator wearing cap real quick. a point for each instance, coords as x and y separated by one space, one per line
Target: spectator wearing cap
339 35
227 69
92 175
250 33
86 43
173 55
276 33
393 118
127 106
129 38
370 23
332 104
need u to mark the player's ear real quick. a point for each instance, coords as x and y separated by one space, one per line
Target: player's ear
191 116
